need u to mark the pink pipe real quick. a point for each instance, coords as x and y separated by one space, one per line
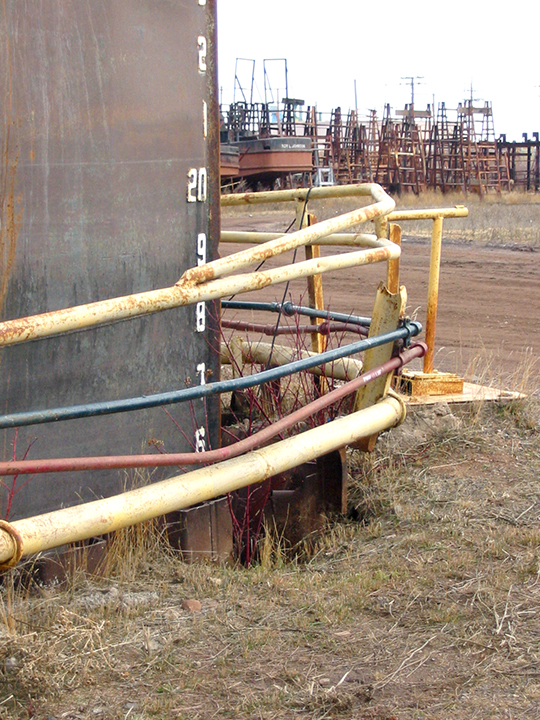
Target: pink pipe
112 462
324 328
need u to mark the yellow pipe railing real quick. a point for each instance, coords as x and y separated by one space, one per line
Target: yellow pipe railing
199 283
31 535
36 534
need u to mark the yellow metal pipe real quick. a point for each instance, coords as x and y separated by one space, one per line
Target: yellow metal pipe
349 239
428 214
32 535
315 193
392 280
260 352
223 266
105 311
433 292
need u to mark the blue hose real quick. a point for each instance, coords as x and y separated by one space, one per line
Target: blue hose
37 417
289 308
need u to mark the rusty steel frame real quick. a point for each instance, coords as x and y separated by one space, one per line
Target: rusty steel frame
414 150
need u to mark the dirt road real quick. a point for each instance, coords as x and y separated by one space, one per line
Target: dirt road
489 298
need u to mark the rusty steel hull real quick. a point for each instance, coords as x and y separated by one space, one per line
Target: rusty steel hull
274 156
229 161
101 123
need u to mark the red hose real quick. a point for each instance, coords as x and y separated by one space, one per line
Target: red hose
324 328
110 462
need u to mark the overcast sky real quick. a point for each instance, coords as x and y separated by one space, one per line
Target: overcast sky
329 44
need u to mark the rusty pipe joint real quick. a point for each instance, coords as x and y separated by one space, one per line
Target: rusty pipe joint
11 546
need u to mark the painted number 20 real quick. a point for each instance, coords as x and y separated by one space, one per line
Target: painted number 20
197 185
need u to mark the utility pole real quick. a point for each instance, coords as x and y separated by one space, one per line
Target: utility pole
411 81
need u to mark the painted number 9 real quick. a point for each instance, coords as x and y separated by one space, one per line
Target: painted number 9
201 249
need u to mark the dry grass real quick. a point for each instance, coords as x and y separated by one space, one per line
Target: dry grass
425 607
507 221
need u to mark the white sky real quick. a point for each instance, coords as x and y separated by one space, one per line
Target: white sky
331 43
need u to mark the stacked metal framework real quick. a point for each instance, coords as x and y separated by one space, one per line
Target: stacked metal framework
410 151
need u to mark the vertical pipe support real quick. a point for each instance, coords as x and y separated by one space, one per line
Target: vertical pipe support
433 292
386 313
392 279
314 285
387 310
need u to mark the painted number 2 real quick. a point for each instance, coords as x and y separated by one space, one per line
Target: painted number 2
201 44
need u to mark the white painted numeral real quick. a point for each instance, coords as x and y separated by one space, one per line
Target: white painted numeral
202 2
204 118
197 187
200 440
192 185
201 44
201 249
201 369
202 185
200 314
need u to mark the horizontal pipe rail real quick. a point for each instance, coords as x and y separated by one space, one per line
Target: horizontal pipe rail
112 462
290 309
106 311
458 211
315 193
38 417
259 353
348 239
383 205
36 534
196 284
325 328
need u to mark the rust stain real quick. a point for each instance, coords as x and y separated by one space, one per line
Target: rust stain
10 212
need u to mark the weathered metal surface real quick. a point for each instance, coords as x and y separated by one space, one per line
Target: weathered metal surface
372 190
59 567
428 214
259 352
302 500
256 437
392 279
272 157
434 383
386 313
229 161
345 239
383 204
203 532
387 310
102 120
433 292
